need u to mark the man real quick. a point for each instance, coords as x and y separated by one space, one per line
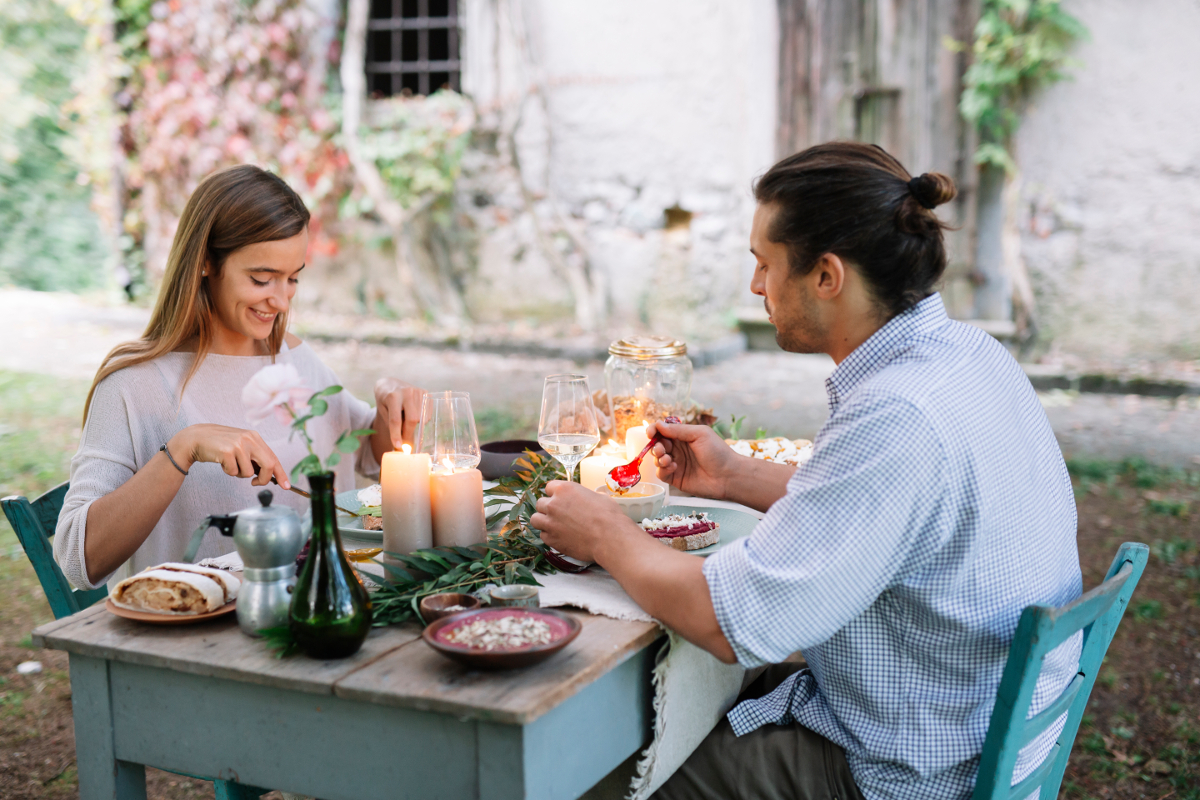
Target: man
936 506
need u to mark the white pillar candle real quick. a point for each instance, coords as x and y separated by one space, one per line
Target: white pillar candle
457 499
636 439
594 469
407 521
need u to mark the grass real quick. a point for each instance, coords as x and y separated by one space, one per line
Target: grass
1141 734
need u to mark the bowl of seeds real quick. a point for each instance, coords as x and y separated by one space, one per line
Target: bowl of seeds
502 638
436 606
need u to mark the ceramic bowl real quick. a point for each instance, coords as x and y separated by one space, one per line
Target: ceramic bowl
644 501
436 606
563 628
515 594
497 459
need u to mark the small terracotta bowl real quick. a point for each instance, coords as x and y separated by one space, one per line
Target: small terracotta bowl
645 501
436 606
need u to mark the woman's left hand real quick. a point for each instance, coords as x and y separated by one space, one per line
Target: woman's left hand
397 410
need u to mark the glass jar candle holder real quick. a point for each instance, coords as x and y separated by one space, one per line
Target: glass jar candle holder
647 378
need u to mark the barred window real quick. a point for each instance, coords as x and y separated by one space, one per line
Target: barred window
412 47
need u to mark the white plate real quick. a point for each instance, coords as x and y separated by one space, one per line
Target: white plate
351 527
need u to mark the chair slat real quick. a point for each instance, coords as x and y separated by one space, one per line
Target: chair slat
1071 618
1034 780
1050 714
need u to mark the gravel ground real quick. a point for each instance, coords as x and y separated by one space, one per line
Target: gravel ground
67 336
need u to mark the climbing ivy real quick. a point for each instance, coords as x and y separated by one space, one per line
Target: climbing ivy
1020 45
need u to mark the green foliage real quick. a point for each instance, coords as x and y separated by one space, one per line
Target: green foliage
51 239
1169 552
1149 609
1020 45
39 422
735 427
418 145
346 443
1140 472
1170 508
515 497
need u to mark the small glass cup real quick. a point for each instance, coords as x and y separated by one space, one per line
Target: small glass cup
447 431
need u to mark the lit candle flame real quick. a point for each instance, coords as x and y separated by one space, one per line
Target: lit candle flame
646 427
612 443
407 448
448 464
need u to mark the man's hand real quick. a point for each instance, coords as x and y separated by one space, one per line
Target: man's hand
577 522
397 411
695 459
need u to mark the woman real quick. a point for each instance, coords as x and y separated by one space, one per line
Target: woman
166 440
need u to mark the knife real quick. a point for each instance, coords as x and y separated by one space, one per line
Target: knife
303 493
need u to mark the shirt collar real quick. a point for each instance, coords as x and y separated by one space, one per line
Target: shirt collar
873 354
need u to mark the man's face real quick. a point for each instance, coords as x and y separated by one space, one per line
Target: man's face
789 302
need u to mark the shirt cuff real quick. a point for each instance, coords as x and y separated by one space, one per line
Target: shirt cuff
720 572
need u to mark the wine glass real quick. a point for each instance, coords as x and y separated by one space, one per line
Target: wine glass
447 431
567 428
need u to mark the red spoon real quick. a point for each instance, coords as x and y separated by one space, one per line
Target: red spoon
628 475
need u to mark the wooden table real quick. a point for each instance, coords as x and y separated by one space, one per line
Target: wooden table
396 720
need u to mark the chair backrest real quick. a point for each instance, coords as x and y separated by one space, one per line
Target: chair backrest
35 523
1040 629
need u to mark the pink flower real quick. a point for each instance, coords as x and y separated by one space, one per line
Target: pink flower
270 389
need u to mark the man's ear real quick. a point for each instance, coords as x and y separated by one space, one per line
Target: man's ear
828 277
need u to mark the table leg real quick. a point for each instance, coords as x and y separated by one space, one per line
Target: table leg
101 775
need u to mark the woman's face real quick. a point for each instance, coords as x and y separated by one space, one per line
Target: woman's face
255 285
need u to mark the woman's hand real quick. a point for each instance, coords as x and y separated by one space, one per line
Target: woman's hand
576 521
235 449
695 459
397 411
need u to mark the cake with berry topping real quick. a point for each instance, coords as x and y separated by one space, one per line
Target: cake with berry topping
684 531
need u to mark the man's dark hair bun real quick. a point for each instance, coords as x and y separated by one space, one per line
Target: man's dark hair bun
932 189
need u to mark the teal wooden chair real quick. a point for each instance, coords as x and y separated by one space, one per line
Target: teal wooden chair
34 523
1040 629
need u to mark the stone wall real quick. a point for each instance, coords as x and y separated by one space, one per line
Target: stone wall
638 128
1110 187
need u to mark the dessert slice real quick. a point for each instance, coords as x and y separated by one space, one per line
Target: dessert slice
684 532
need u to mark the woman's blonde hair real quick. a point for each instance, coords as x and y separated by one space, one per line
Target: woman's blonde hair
229 210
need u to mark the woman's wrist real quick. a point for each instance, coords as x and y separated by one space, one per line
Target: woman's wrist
180 448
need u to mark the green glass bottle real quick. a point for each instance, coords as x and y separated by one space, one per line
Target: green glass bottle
331 610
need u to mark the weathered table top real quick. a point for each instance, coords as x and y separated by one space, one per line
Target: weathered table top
393 668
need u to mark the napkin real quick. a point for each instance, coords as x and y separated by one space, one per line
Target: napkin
692 689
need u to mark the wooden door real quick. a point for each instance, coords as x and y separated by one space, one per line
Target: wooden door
879 71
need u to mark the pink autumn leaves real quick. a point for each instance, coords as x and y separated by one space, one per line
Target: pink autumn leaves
278 390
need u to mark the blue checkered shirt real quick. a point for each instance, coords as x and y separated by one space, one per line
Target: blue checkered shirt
936 506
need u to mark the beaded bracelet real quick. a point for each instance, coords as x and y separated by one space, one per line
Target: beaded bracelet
164 449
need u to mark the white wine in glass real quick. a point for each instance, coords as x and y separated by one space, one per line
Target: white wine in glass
567 428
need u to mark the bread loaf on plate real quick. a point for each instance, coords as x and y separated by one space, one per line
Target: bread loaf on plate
229 582
171 591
